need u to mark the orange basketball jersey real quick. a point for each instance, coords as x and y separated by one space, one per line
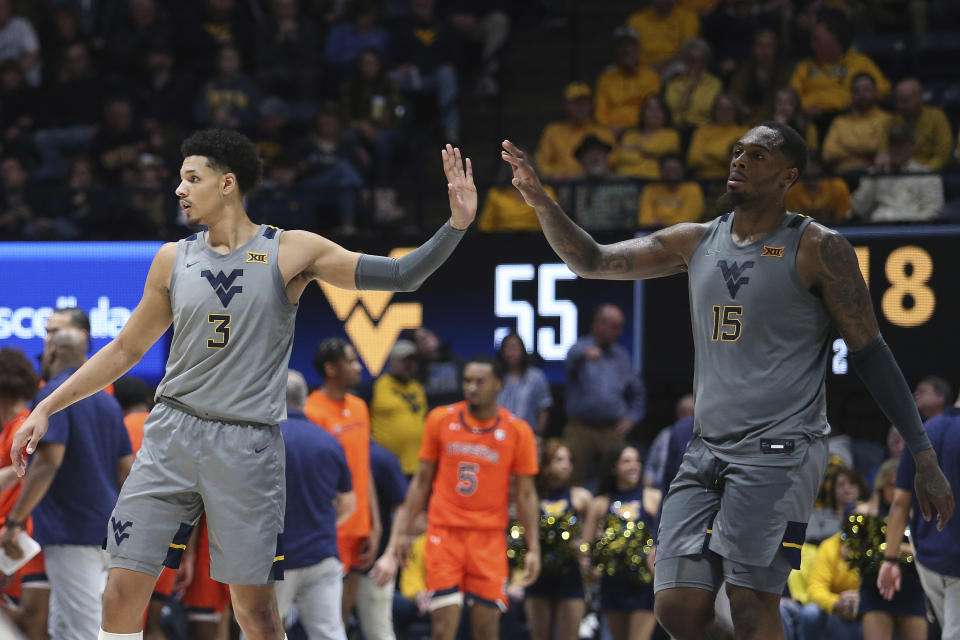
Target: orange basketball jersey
474 463
348 420
9 497
134 423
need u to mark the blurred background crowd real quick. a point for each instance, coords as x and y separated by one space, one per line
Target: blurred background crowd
631 107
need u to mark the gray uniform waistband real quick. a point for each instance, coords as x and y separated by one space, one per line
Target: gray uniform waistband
205 415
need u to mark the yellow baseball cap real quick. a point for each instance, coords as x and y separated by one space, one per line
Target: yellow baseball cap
576 90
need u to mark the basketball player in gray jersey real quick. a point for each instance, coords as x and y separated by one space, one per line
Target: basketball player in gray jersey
212 442
766 286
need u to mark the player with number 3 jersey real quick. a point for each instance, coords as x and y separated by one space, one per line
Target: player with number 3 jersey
470 452
212 443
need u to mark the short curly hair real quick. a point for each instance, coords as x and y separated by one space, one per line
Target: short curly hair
18 378
227 151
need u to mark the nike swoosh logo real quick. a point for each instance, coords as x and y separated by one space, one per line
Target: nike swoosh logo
191 264
260 449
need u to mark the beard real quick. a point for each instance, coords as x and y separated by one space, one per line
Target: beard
730 199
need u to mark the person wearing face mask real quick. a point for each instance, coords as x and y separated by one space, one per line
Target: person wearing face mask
598 202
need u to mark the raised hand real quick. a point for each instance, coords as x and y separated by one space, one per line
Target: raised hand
524 177
460 187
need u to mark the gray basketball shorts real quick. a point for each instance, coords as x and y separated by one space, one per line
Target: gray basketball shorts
736 522
188 465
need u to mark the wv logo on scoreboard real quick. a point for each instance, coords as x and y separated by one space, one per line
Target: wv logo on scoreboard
372 323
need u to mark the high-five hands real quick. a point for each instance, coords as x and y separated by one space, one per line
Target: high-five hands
460 187
524 177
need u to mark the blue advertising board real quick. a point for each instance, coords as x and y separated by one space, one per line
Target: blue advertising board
105 279
492 285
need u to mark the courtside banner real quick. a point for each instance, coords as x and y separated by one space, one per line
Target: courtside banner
105 279
492 285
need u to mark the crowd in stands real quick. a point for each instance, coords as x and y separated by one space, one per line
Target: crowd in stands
95 97
690 77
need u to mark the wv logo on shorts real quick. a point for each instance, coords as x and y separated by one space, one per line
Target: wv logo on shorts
733 275
223 284
120 530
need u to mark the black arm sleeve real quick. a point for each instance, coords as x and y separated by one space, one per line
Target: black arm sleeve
407 273
880 373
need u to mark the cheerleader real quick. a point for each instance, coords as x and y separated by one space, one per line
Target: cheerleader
555 603
906 613
626 601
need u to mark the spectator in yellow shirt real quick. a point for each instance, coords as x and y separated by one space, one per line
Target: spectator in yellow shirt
640 149
673 199
824 81
709 153
559 139
398 407
663 27
855 138
691 94
622 88
826 199
932 138
756 81
833 593
505 209
411 601
787 110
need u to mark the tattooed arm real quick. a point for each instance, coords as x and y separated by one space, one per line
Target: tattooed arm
828 264
829 267
663 253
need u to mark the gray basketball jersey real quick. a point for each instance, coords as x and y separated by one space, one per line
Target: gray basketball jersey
761 341
232 331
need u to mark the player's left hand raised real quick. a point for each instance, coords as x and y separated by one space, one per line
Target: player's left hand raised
460 187
531 568
932 487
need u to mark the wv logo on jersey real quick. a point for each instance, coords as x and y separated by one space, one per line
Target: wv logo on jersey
223 284
120 530
733 275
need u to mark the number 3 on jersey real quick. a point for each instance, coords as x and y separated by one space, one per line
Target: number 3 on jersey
726 323
222 330
467 478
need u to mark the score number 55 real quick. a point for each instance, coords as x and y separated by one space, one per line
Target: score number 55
550 343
